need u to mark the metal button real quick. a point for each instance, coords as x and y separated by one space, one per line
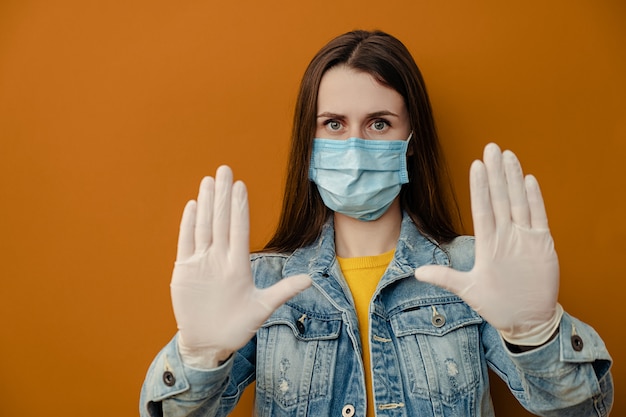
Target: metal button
438 320
300 326
348 410
577 343
325 275
168 378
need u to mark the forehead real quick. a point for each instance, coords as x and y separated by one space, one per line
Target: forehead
344 90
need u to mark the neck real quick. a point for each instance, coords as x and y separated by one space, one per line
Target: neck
356 238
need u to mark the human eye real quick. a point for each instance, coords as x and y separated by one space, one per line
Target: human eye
380 125
333 125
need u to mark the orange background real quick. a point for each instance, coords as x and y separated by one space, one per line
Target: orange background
111 112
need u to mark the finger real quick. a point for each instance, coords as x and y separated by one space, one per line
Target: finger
240 220
273 297
204 214
444 277
221 210
498 189
482 211
520 213
186 245
538 216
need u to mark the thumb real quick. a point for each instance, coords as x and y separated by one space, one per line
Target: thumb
443 276
279 293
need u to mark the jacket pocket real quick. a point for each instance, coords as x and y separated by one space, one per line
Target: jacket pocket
440 348
296 354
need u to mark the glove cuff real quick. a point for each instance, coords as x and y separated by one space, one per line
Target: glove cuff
538 335
200 358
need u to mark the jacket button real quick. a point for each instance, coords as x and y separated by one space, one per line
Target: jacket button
348 410
168 378
438 320
300 326
577 343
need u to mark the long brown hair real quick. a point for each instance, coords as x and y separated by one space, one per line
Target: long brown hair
428 197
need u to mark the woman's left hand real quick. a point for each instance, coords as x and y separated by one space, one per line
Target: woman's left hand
514 284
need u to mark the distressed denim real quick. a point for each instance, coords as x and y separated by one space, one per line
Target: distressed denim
430 352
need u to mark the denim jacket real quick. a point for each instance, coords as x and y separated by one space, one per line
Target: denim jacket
430 352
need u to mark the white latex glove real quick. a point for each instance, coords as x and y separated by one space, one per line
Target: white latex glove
515 280
217 306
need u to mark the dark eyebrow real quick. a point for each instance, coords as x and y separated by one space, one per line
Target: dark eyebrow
375 114
330 115
382 113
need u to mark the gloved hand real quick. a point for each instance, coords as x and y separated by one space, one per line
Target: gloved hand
515 280
217 306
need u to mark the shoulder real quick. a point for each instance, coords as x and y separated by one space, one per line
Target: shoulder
267 267
268 259
262 256
460 251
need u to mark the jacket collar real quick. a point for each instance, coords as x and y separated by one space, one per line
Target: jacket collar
412 250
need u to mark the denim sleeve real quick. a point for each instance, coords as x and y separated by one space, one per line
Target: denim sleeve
569 376
174 389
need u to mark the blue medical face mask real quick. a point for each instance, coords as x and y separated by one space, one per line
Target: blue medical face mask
357 177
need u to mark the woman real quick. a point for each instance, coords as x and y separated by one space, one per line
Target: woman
330 319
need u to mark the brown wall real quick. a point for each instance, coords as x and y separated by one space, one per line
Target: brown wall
111 112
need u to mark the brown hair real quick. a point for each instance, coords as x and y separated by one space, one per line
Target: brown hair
428 197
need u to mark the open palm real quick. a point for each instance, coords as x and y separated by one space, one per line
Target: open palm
515 280
217 306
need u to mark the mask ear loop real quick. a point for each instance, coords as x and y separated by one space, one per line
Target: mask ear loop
409 151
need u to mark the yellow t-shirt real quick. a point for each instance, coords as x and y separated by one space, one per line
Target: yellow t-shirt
362 275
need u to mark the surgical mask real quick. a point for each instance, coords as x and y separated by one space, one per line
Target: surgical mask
357 177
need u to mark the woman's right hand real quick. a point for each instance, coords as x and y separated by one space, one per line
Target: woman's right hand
218 308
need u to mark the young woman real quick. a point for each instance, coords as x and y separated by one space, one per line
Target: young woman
330 319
